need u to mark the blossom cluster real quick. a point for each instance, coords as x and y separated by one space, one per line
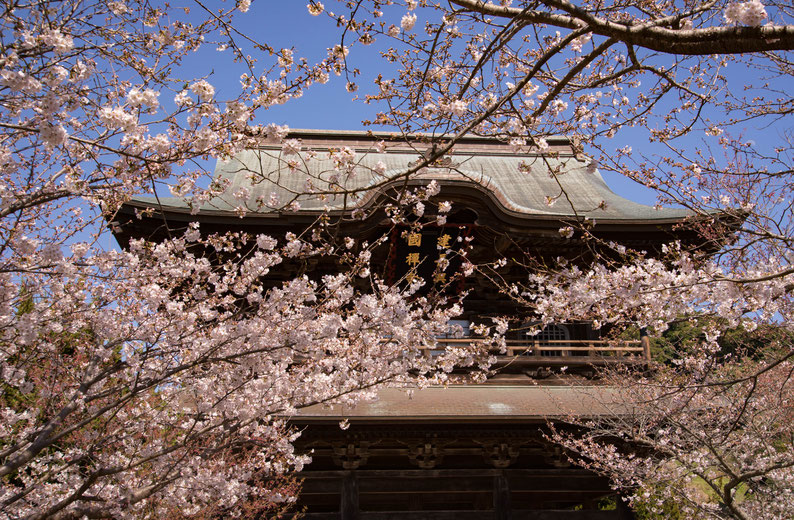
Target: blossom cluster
652 293
750 13
188 366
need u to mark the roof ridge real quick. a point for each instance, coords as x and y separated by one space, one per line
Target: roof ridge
557 139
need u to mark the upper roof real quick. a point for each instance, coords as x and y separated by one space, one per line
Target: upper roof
517 182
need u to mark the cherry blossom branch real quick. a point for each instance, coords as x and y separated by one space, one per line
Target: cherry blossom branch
696 42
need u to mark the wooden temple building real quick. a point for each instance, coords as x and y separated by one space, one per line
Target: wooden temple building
466 451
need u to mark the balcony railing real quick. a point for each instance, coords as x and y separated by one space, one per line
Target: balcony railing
560 352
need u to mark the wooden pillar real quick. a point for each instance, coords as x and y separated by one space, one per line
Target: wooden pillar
645 341
501 497
348 508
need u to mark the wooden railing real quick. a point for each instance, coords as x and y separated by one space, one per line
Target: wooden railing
559 351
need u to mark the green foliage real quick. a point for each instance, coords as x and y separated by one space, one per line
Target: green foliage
654 507
670 510
607 503
683 335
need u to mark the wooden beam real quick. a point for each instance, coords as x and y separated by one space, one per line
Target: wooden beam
426 515
441 481
426 485
547 514
428 473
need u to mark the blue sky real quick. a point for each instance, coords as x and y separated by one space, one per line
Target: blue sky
287 24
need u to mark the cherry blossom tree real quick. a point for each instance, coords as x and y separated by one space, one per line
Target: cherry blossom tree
712 441
154 380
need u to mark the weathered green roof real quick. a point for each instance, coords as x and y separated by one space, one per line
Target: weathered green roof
517 183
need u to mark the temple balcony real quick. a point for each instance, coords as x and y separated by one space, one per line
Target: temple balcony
576 346
555 353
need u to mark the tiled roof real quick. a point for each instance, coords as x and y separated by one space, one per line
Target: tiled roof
517 183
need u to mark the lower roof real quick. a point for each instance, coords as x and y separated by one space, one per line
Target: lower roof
475 403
